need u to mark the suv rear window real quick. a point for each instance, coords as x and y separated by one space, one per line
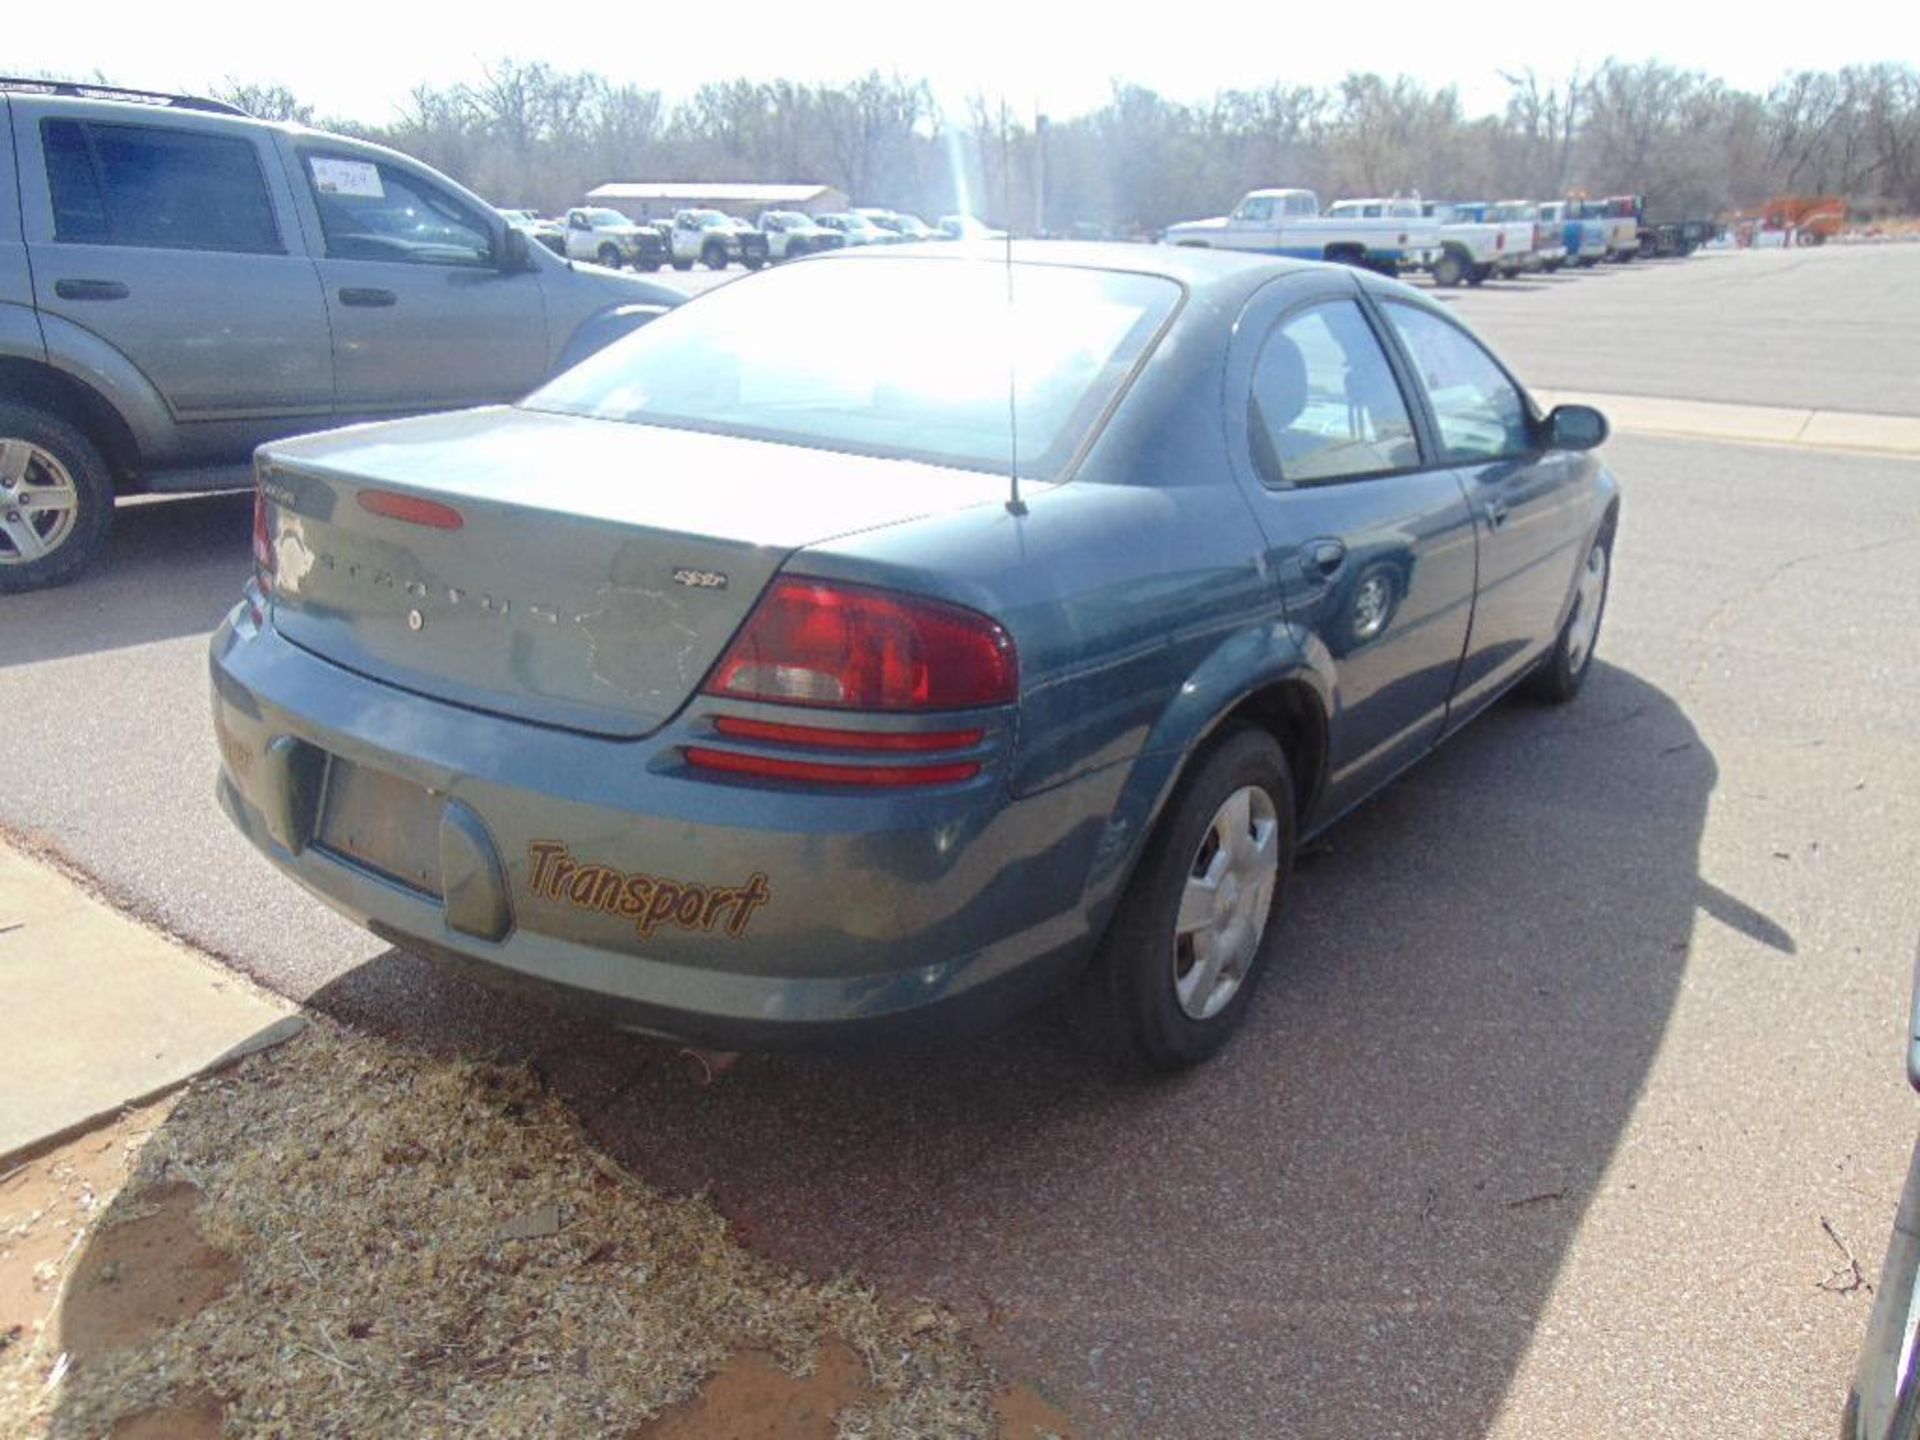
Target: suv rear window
153 186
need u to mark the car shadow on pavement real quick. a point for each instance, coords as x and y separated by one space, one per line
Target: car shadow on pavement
1351 1221
174 566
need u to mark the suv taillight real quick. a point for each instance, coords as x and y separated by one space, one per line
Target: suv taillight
848 647
264 561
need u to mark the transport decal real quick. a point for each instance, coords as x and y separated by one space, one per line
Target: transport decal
647 900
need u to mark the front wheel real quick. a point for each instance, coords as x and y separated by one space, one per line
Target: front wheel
714 257
56 500
1196 927
1560 675
683 264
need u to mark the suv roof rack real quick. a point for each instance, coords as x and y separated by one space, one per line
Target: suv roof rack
86 90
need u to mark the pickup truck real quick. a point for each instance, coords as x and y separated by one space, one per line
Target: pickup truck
791 234
1621 216
1465 252
1585 240
609 238
716 240
1549 248
1513 240
1288 222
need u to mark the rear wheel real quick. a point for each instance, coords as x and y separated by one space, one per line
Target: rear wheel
609 256
1564 670
683 264
56 500
1196 928
1449 271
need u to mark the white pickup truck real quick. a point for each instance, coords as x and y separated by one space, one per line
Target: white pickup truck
1289 223
1549 250
1513 245
1466 251
609 238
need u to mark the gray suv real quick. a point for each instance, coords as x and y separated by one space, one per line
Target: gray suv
180 282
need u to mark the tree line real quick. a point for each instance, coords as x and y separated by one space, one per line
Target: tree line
529 134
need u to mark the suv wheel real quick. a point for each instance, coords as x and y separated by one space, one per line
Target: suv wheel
56 500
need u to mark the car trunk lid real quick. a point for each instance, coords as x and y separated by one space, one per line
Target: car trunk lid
574 572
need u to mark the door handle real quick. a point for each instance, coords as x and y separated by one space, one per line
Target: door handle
367 296
1325 557
1496 513
90 290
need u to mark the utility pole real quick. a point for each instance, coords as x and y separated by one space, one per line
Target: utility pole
1039 171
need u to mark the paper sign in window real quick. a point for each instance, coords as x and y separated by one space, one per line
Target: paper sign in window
347 177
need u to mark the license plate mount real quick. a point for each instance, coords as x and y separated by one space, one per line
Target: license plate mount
382 823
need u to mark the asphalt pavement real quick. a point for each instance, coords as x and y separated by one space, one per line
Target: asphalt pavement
1584 1027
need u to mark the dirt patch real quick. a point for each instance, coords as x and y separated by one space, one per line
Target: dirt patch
1024 1415
752 1398
47 1206
196 1417
144 1273
381 1243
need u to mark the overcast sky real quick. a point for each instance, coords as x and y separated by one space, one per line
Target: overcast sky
360 59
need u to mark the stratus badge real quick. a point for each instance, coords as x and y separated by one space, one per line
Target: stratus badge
700 579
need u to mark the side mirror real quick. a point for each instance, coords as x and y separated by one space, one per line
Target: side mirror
1575 427
513 255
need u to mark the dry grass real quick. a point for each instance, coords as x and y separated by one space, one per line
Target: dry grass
368 1191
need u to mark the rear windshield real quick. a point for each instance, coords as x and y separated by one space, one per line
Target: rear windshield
918 358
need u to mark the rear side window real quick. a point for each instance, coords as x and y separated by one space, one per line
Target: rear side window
156 187
371 211
1325 406
1481 414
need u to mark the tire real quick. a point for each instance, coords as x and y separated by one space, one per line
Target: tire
1449 270
44 457
650 266
683 265
1478 274
714 257
1559 676
609 256
752 262
1131 1002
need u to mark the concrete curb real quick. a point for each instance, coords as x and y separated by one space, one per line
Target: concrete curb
1838 430
277 1033
104 1012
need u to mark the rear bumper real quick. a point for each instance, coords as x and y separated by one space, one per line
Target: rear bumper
832 916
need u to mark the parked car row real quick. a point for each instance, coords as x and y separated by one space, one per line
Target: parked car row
715 239
1460 242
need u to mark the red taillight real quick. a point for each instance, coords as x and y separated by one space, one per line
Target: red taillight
392 505
847 647
816 772
895 741
263 556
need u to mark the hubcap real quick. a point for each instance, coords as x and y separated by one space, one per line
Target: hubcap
1584 623
39 503
1225 902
